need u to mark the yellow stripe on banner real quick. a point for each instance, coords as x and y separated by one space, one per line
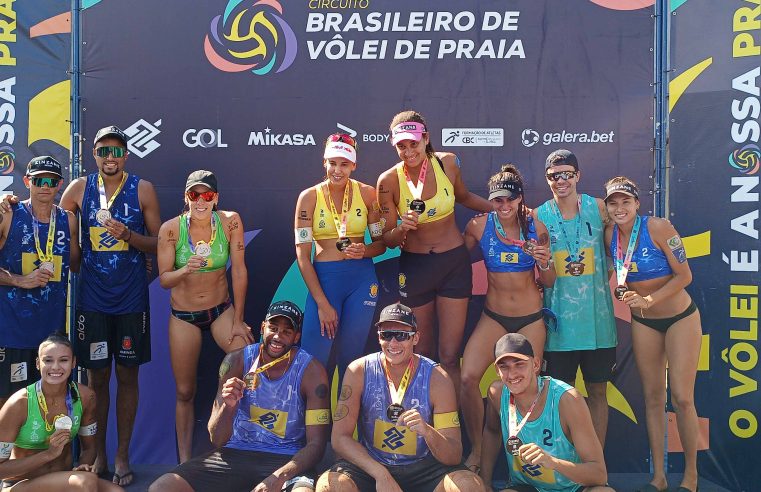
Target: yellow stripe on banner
704 360
679 84
615 398
698 245
49 115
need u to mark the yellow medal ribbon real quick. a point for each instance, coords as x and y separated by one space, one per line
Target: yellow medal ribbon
44 406
47 255
342 221
252 377
102 191
213 232
397 393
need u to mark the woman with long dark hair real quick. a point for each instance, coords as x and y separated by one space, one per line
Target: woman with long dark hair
193 252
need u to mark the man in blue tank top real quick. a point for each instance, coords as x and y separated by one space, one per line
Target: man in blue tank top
38 246
585 335
404 408
270 418
119 216
544 425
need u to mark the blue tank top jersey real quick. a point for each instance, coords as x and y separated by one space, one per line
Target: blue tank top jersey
648 261
30 315
583 304
113 279
271 418
385 442
547 433
500 257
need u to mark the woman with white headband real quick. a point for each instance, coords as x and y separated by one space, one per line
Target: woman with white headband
434 265
38 423
343 289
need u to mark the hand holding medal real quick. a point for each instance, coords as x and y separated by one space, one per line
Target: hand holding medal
232 392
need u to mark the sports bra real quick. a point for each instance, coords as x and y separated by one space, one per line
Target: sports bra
648 261
220 250
500 257
33 434
439 205
323 226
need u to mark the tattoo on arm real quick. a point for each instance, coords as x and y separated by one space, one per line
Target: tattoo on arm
233 225
345 392
232 359
341 412
303 215
240 246
171 233
321 391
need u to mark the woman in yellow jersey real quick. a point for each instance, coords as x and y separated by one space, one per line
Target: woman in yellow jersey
434 266
343 288
193 251
38 423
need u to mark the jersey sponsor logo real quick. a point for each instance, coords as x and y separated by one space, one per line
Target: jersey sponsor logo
586 256
508 257
373 290
391 439
127 343
18 372
101 240
31 262
98 350
533 473
273 421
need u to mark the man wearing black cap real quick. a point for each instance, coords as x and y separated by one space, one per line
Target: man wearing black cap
119 215
38 246
405 411
544 425
580 298
270 418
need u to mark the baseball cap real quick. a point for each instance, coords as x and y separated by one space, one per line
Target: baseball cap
44 164
505 188
625 188
513 345
407 130
202 177
561 157
110 131
288 310
397 313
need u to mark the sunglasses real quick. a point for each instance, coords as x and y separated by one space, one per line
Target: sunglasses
113 150
342 137
40 182
400 336
207 196
565 175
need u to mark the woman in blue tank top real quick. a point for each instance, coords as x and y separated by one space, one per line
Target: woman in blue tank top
38 423
515 250
193 252
652 273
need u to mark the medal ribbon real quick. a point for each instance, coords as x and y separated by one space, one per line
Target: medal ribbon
501 232
556 210
106 204
516 428
622 264
213 231
397 394
416 190
47 255
44 406
257 369
342 221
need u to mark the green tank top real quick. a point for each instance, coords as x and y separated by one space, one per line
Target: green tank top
583 304
220 248
547 433
33 434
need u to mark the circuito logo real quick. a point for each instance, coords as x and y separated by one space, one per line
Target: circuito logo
747 160
7 159
254 37
529 137
143 137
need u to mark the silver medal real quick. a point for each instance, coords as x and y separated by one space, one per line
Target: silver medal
48 266
102 216
203 249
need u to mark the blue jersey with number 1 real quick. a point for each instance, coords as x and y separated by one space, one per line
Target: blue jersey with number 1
113 279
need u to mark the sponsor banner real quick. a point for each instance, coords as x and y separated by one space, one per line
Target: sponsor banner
714 200
251 90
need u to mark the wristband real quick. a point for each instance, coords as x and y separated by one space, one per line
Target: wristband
320 416
5 450
303 235
543 269
376 229
446 420
88 430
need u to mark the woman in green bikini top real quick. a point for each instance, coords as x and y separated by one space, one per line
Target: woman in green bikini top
38 423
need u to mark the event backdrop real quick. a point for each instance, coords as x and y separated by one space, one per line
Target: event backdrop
714 196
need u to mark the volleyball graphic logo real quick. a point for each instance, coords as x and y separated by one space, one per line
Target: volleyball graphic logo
747 159
7 159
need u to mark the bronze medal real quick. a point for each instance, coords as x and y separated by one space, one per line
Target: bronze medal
394 411
620 291
343 243
513 445
576 268
251 381
528 247
417 206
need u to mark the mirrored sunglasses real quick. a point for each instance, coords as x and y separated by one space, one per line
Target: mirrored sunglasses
207 196
342 137
565 175
113 150
400 336
40 182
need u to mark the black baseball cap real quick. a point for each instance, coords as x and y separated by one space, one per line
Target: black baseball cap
288 310
513 345
397 313
506 188
625 187
110 131
202 177
561 157
44 164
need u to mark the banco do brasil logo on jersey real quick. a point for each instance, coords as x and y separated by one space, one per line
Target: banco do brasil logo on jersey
251 37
